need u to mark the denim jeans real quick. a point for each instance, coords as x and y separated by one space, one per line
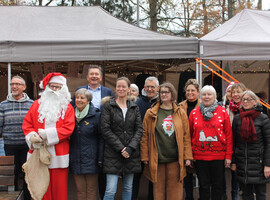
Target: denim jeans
111 186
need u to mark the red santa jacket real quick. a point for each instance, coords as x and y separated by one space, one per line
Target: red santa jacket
57 134
211 140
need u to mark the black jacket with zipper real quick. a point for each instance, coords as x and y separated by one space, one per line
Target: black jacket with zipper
251 157
119 133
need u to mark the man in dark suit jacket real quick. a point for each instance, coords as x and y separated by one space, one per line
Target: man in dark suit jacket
94 77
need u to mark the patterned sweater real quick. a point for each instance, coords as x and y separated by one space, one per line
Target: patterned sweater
211 140
12 113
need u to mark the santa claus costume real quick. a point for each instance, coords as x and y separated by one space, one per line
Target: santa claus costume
52 119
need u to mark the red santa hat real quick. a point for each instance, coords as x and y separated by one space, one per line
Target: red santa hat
53 78
229 86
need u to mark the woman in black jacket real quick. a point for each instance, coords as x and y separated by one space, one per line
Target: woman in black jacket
251 158
86 146
122 130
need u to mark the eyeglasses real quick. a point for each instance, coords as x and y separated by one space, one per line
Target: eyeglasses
16 84
55 87
247 100
150 87
165 92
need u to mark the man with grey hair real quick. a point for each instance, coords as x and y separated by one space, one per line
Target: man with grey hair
12 113
149 96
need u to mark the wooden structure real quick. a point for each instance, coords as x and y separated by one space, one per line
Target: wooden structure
7 172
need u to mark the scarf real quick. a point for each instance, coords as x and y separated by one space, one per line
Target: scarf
234 107
80 115
248 131
207 112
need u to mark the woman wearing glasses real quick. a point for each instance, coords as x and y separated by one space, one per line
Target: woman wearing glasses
251 158
165 145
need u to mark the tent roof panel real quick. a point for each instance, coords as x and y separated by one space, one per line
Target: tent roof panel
246 36
36 34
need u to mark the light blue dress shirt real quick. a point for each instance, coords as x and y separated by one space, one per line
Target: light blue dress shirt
96 96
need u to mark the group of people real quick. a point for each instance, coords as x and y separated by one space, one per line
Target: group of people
100 137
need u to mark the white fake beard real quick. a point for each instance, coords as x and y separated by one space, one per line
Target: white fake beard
53 104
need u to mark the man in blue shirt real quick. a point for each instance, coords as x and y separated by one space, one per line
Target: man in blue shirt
94 78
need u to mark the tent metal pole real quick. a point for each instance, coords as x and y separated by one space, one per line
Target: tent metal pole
9 77
199 73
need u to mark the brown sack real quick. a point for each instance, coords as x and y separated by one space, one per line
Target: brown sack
36 172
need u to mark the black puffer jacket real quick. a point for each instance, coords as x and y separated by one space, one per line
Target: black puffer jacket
119 133
251 157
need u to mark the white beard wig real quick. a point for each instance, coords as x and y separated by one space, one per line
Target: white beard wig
53 104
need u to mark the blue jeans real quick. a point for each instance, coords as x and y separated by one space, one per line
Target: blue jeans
111 186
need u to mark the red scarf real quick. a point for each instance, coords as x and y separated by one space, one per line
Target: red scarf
248 131
234 107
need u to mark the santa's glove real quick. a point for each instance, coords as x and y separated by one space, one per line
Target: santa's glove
42 133
36 141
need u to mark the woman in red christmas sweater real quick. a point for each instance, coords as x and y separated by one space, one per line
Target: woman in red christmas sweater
211 135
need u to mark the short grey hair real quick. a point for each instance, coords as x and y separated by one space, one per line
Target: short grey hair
134 86
19 77
86 92
251 94
152 78
209 88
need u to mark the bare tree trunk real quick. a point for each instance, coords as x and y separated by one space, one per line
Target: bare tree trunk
123 10
97 3
73 2
223 10
259 5
205 18
153 14
187 25
230 9
40 2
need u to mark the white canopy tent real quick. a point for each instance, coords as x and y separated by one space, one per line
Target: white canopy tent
49 34
45 34
246 36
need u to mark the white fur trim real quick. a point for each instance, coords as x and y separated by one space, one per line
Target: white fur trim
27 139
58 79
41 85
56 161
52 136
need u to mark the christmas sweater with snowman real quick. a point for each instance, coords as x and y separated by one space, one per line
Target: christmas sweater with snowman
213 139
